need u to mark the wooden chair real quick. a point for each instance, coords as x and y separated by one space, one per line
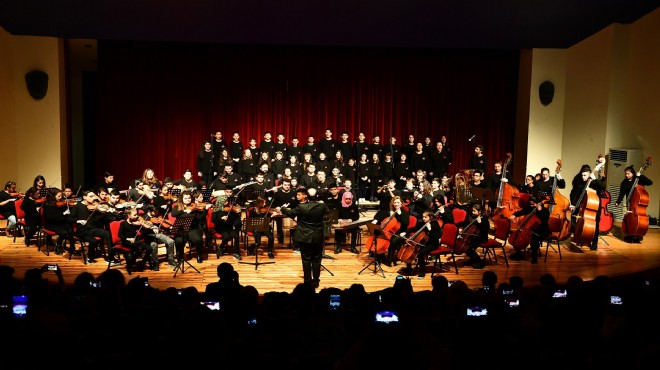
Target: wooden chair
499 240
446 247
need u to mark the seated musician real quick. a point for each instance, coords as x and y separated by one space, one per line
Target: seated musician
479 225
261 210
90 218
432 229
283 197
186 182
400 217
332 198
227 220
163 200
132 239
195 234
157 233
348 212
57 218
7 207
257 189
32 216
530 186
539 233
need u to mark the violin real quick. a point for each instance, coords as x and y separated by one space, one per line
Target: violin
66 202
16 195
232 208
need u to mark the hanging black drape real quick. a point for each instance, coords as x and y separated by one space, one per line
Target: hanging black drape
158 102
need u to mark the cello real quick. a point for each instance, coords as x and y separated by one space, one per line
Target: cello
522 236
410 249
508 196
558 222
606 217
587 206
636 221
390 226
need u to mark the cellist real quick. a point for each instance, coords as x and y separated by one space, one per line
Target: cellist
626 188
579 182
398 216
539 233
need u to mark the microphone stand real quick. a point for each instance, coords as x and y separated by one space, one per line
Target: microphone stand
210 176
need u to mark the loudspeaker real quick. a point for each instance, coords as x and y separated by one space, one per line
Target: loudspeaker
546 92
37 84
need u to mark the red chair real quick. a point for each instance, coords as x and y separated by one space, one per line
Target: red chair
45 232
446 247
412 222
459 215
20 218
499 240
212 233
117 248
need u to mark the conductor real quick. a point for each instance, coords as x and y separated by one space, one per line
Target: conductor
309 232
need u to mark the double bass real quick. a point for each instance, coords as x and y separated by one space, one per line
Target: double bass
606 218
636 220
559 206
508 196
587 209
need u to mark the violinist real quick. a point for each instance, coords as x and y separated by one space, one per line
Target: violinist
32 217
399 216
163 200
156 234
259 186
195 234
227 220
108 183
207 166
57 218
89 221
283 196
113 209
67 191
539 232
39 182
626 188
234 179
348 212
261 210
186 182
579 182
132 239
7 207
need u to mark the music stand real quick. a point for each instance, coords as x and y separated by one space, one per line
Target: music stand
207 194
181 226
329 219
256 225
174 192
377 233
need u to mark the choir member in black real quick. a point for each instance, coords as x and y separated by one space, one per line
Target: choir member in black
625 189
545 182
186 182
295 149
254 149
360 147
402 217
307 179
223 160
385 194
90 218
332 198
402 170
185 206
7 207
261 210
218 144
375 175
234 179
393 148
227 220
247 165
158 233
295 166
410 147
328 145
419 159
348 212
579 182
428 147
336 176
236 150
278 165
478 159
311 148
32 216
363 173
376 147
530 186
447 149
338 161
267 145
387 165
269 177
430 226
323 164
422 200
345 146
320 183
439 161
132 239
57 218
264 157
482 226
281 146
308 159
540 232
350 171
283 197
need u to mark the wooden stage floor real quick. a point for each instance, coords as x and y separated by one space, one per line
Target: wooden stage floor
613 258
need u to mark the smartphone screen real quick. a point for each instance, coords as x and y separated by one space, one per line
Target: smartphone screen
212 305
561 293
52 267
20 304
615 299
335 301
477 311
386 317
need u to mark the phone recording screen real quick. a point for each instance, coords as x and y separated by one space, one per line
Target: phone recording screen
335 301
386 317
20 305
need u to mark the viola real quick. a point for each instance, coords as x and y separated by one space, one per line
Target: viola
558 223
636 220
587 206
